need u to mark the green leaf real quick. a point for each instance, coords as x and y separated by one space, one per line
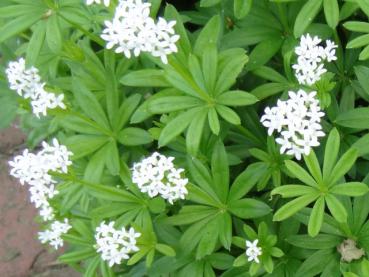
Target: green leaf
89 104
225 230
356 118
208 239
306 16
137 256
53 34
110 193
76 256
248 208
276 252
236 98
231 63
332 148
134 136
220 170
300 173
364 6
269 89
331 12
176 126
263 52
196 71
228 114
18 25
343 165
312 163
336 208
190 214
92 267
316 217
95 166
112 158
201 174
210 66
358 42
209 3
241 8
125 111
165 249
350 189
270 74
316 263
364 55
35 44
169 104
208 35
240 260
83 145
184 43
213 121
294 206
287 191
357 26
246 180
361 73
145 78
199 195
194 132
8 110
321 241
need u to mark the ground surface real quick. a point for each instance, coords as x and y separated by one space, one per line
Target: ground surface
21 254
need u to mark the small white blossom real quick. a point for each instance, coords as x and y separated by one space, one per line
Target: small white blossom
156 175
53 235
27 83
297 120
115 245
133 31
33 169
253 251
311 58
90 2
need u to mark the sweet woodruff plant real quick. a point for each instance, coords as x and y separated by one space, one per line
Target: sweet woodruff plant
197 138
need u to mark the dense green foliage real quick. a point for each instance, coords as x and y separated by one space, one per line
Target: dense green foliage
203 108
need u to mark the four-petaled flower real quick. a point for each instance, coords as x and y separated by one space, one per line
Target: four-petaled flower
253 251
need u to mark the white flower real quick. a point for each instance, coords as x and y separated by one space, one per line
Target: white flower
22 80
133 31
156 175
33 169
311 57
115 245
27 83
53 235
297 120
253 251
90 2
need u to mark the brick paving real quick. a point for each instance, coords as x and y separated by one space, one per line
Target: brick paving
21 254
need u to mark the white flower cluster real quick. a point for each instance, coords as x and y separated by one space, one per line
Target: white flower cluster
156 175
298 122
115 245
27 83
253 251
132 30
311 58
90 2
53 235
33 169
